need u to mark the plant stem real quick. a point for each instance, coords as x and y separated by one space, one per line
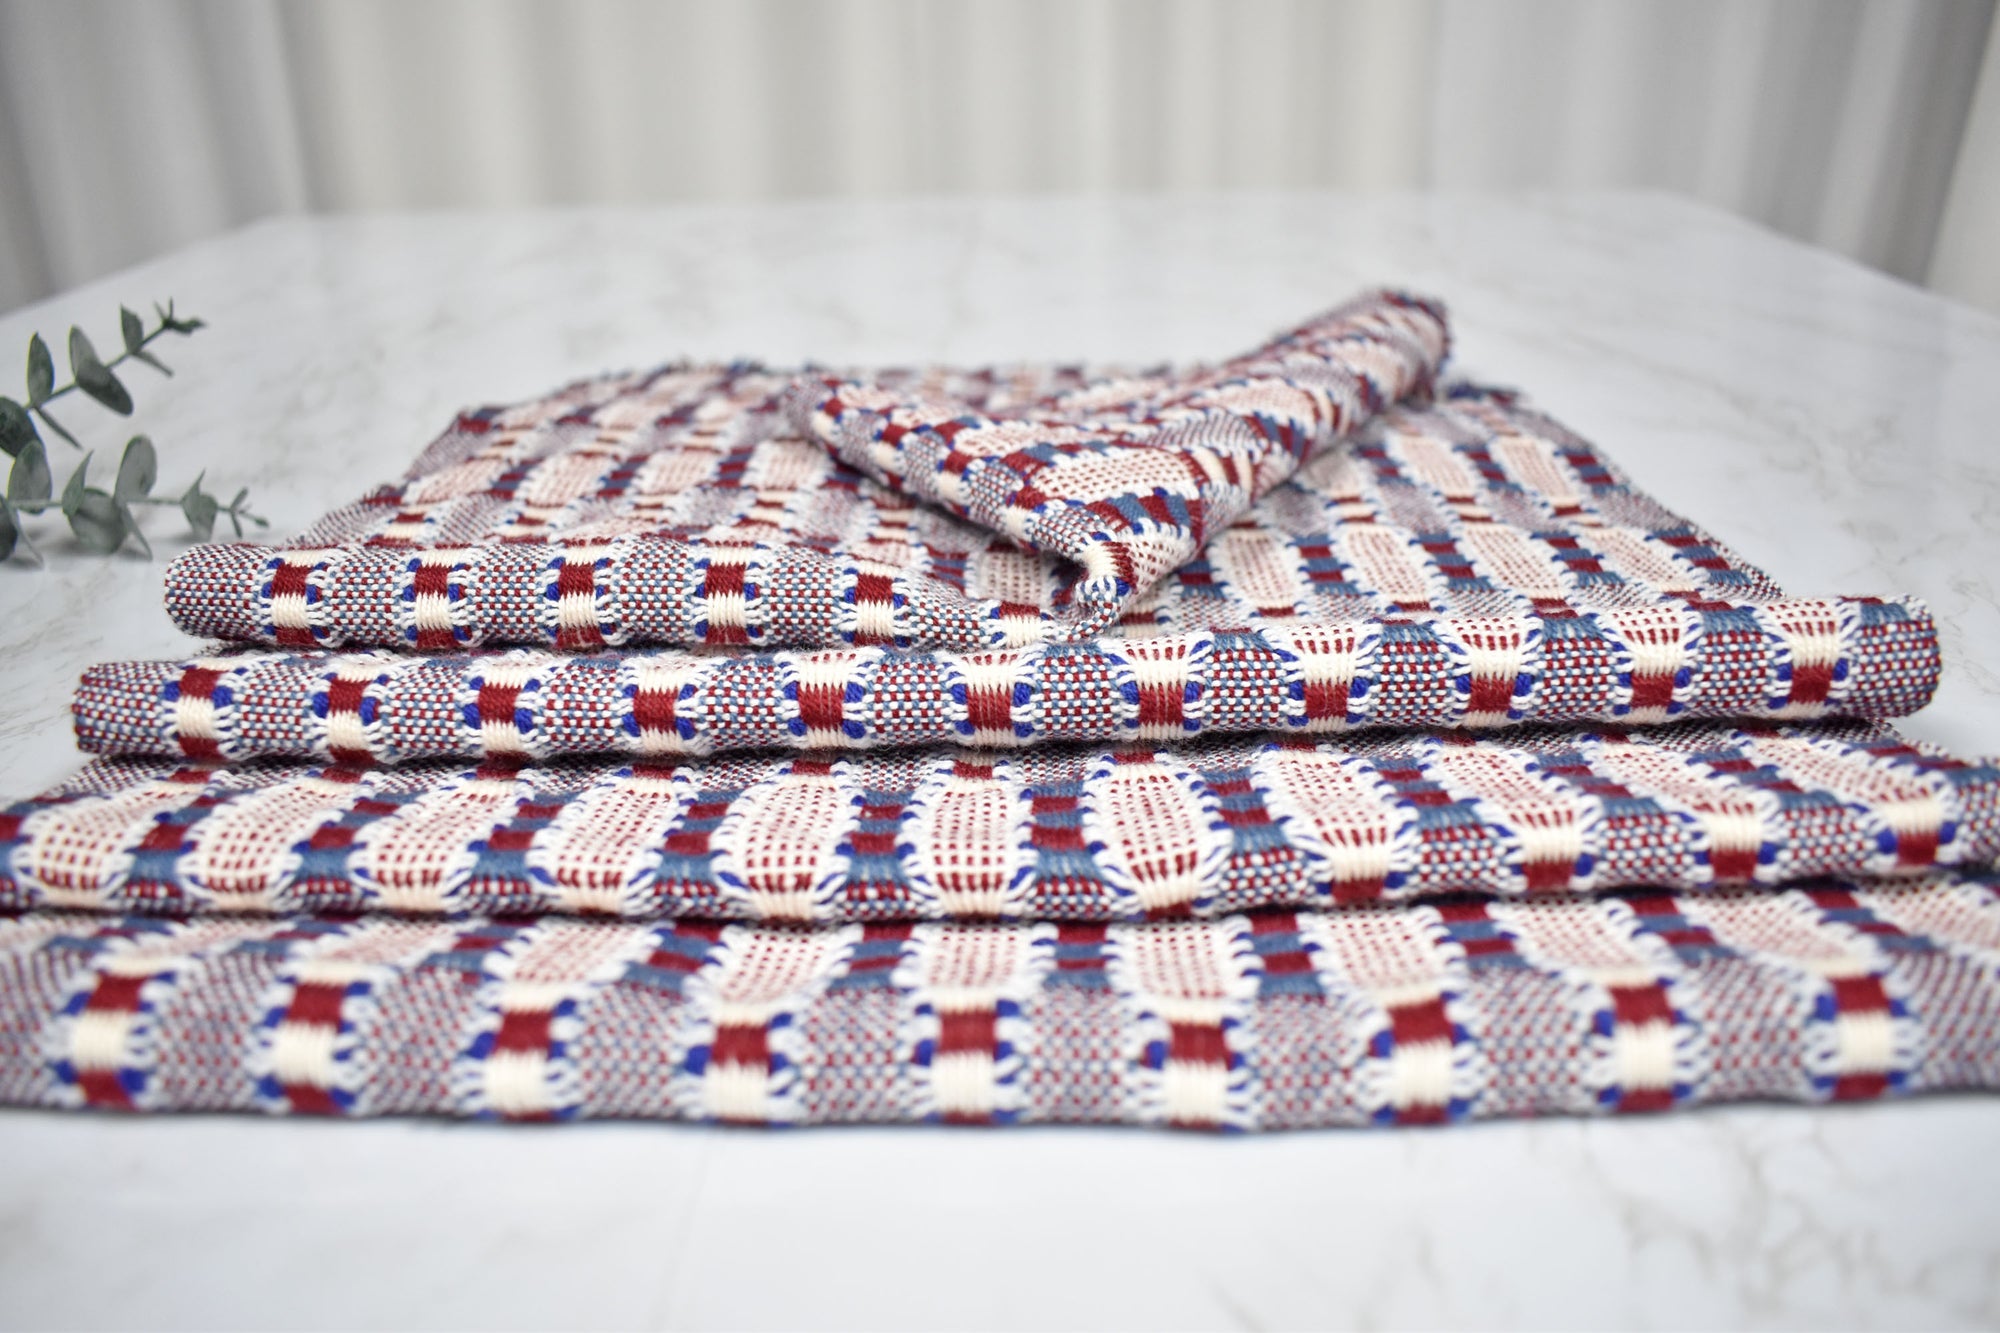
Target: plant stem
44 506
172 503
129 354
55 425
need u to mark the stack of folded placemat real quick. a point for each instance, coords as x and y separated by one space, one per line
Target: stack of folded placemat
1294 741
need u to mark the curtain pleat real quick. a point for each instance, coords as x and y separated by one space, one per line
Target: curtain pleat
128 127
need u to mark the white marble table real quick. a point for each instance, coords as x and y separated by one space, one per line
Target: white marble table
1835 425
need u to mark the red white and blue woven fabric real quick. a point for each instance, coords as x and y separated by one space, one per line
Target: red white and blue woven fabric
1040 744
1453 1009
1080 833
1858 657
1457 563
686 506
1463 537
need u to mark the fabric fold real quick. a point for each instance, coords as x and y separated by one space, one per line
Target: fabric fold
646 509
1055 832
1307 678
1827 991
1127 478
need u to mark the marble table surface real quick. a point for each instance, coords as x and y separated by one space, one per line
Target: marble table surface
1833 424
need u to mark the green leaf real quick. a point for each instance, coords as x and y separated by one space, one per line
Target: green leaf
10 530
153 361
29 482
17 428
132 527
200 510
137 470
94 377
133 331
72 497
41 371
98 522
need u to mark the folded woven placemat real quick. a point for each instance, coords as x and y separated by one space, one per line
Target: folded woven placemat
1462 562
1415 1015
1304 739
1083 833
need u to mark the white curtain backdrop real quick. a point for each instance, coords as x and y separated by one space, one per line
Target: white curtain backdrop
128 127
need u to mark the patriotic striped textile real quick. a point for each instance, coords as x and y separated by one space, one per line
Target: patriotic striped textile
685 506
1086 833
1306 677
1305 739
1461 563
1449 1010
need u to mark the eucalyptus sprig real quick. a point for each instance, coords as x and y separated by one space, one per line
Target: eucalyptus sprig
101 520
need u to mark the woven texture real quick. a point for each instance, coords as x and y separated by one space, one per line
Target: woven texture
1075 833
1456 1009
1455 563
1792 659
655 509
1299 740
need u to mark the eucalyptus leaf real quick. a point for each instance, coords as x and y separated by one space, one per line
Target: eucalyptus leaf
30 482
200 509
72 496
41 371
137 470
101 518
131 522
94 377
98 522
17 428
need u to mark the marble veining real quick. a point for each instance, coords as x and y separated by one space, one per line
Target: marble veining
1832 424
